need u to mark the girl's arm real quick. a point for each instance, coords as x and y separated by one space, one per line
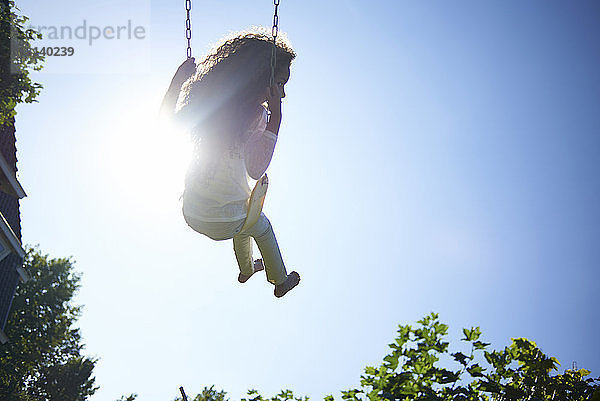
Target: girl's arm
185 70
274 95
261 144
259 151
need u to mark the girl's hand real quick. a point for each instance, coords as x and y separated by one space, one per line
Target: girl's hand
274 95
185 70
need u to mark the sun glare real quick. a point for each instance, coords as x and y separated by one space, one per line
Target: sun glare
148 156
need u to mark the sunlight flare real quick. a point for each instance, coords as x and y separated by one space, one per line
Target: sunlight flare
147 157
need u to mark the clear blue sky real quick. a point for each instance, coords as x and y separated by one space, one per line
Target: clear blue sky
434 156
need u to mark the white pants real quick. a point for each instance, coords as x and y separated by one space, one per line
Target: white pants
263 234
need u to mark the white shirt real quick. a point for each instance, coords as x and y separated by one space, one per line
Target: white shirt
218 190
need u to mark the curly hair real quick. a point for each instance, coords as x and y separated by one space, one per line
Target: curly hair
224 95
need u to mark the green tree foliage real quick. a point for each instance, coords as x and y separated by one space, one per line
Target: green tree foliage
285 395
17 58
130 397
208 394
421 367
521 371
42 360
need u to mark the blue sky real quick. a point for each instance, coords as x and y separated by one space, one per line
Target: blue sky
433 156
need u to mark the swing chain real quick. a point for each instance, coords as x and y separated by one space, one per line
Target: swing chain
188 28
274 32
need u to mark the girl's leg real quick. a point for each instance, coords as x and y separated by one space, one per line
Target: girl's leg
242 246
263 234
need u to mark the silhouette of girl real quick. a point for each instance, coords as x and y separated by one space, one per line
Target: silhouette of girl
221 101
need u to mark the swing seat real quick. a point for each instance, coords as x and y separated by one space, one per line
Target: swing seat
256 202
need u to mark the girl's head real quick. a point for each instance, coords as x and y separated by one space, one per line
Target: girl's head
231 82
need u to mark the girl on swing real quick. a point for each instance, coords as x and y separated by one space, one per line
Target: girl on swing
222 103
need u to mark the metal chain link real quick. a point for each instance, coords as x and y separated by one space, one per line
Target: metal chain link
188 28
274 32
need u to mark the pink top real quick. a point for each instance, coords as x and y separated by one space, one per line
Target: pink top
260 145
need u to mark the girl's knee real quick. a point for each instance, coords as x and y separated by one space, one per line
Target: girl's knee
265 226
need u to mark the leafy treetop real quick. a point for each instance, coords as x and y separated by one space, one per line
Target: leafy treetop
43 360
17 58
413 371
